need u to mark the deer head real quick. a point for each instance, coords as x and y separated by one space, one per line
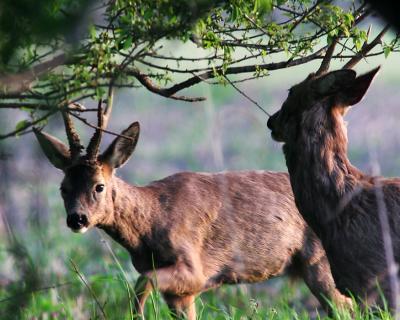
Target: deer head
323 94
87 188
317 98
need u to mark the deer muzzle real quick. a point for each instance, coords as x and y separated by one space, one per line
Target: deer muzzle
271 124
78 222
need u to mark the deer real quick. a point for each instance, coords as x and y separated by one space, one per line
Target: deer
355 215
189 232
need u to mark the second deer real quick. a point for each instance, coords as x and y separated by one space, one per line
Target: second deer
356 216
190 232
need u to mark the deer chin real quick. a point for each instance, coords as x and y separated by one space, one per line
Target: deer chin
276 137
80 230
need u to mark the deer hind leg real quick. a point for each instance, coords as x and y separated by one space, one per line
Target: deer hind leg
316 272
182 307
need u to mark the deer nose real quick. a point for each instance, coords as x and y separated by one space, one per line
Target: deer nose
77 221
269 122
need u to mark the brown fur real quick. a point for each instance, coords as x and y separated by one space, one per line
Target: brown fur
337 200
191 232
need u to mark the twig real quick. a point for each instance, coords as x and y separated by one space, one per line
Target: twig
20 105
366 48
28 125
304 15
97 128
16 83
81 276
246 96
149 85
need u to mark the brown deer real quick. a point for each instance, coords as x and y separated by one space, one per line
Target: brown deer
356 216
189 232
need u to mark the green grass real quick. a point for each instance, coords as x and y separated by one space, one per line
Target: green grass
96 281
47 272
109 295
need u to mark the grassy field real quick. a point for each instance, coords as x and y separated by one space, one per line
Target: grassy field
63 276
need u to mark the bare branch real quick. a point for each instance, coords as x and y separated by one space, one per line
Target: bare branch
170 92
246 96
149 85
83 120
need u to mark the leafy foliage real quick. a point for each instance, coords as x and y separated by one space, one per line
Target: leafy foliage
31 24
130 44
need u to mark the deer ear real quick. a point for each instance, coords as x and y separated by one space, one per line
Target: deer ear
353 93
55 150
121 148
334 81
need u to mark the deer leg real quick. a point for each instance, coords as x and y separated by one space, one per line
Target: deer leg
317 275
143 288
179 279
182 307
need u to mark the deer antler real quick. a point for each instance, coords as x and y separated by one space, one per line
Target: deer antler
367 47
327 59
75 145
102 120
362 14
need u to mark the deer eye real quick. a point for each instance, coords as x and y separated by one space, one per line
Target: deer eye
99 187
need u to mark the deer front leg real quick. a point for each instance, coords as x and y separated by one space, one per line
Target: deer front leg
178 283
179 279
182 307
317 276
143 288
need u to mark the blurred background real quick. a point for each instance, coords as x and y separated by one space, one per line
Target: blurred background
41 269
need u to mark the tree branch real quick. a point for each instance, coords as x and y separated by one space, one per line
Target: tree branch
28 124
170 92
149 85
16 83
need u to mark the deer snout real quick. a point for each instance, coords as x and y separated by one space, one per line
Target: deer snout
78 222
271 124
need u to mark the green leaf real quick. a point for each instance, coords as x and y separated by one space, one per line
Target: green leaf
127 43
93 33
387 51
262 6
22 125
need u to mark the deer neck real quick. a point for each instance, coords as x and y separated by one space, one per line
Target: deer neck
322 177
131 215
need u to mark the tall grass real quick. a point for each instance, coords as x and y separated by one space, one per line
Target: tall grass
104 291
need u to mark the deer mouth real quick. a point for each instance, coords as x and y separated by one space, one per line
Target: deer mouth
81 230
276 137
78 223
271 124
